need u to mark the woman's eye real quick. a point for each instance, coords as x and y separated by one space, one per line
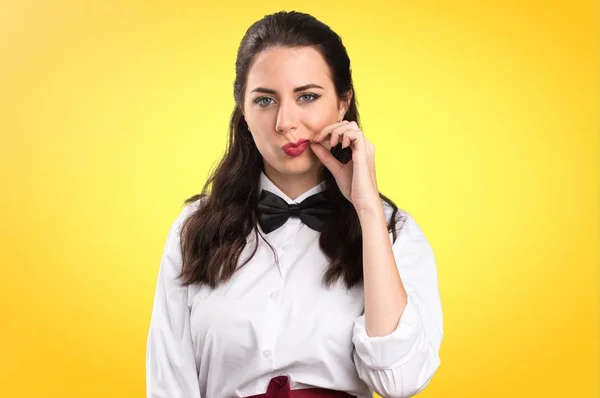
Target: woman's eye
263 101
308 97
266 101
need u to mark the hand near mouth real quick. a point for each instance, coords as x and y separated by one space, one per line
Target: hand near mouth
356 179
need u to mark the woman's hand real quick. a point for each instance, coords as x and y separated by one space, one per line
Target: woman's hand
356 179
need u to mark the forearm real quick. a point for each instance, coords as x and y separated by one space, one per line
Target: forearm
385 296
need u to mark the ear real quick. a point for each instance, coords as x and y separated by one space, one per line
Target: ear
344 104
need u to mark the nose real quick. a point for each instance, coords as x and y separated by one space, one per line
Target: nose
287 119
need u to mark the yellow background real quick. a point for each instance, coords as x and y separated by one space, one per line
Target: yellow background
485 120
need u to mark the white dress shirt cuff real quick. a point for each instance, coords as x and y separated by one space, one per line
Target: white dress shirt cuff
394 349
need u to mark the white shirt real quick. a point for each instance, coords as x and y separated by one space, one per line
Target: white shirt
271 320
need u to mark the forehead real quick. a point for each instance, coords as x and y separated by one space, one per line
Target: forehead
286 67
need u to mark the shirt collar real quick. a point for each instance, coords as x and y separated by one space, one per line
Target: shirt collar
268 185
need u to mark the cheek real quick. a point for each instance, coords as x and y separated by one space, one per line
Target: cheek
261 141
317 121
260 126
262 134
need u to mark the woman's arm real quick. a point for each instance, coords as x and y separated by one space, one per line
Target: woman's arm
170 362
398 338
385 296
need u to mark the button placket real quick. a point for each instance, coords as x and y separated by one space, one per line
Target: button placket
272 321
284 244
290 235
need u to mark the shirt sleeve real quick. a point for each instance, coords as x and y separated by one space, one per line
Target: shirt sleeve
170 361
403 363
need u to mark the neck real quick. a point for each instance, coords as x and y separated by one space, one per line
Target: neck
294 185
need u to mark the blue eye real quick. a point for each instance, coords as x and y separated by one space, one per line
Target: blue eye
260 101
311 97
266 101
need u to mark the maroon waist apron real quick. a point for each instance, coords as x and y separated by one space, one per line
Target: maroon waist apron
279 387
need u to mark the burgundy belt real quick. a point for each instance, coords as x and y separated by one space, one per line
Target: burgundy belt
279 387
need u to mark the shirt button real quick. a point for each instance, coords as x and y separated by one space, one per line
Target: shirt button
267 353
286 246
273 296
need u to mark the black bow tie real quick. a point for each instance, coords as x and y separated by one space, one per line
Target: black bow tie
273 211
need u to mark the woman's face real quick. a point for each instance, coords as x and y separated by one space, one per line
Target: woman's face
289 96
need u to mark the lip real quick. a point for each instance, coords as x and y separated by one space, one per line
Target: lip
291 145
294 149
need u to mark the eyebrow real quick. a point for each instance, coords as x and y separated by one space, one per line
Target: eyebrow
297 89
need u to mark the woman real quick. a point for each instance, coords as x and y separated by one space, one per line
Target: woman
294 277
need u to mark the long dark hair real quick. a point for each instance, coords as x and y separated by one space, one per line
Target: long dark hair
213 236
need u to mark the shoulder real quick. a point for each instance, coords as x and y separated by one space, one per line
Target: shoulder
401 215
406 227
187 210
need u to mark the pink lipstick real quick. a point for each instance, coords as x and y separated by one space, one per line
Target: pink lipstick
294 149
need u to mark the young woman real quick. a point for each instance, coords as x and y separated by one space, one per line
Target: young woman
294 276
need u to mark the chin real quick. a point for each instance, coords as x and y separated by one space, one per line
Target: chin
298 166
297 169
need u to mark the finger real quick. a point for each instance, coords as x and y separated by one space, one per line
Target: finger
357 140
327 130
339 132
326 158
351 135
349 138
335 137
